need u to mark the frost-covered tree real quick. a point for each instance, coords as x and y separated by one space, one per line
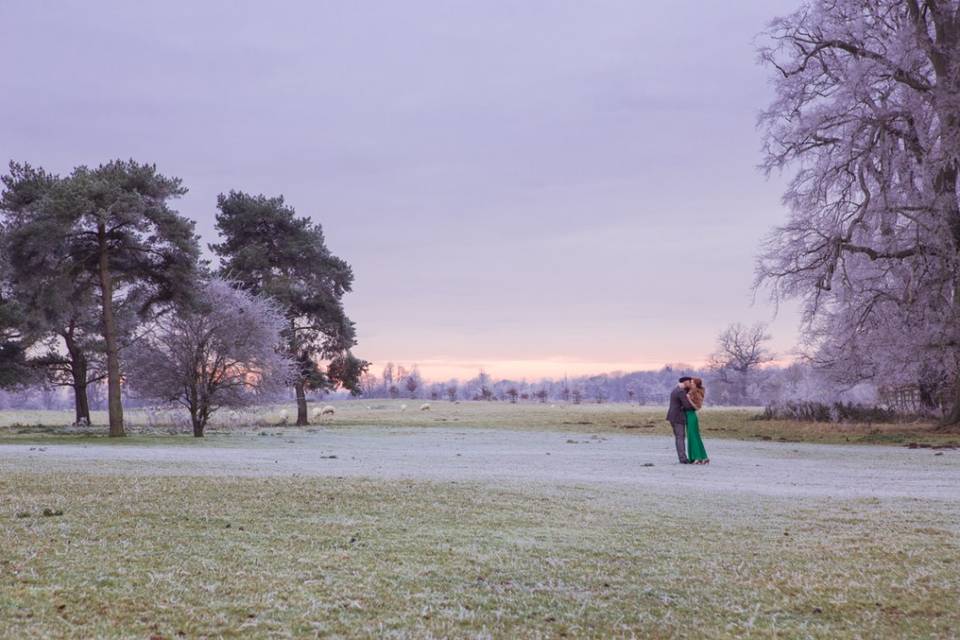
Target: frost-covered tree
412 383
220 352
867 117
741 352
387 377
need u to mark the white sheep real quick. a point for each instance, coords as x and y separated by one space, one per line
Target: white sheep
328 410
403 407
425 406
284 416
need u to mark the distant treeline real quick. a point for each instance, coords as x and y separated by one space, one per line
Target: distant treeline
758 387
768 386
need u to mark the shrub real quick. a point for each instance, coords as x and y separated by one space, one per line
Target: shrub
808 411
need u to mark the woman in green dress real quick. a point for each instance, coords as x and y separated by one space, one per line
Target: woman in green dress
695 449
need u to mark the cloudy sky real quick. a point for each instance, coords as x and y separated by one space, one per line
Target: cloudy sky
532 187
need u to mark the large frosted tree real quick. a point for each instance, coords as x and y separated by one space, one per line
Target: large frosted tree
111 228
268 250
867 119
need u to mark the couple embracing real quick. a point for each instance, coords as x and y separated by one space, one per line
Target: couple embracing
685 400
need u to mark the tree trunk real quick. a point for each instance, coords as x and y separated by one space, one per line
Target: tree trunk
81 403
78 371
114 403
952 416
301 405
946 184
198 419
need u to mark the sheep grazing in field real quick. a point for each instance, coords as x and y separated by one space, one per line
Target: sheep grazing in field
315 413
328 410
425 406
403 407
284 416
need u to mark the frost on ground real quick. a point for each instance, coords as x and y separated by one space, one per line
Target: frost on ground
465 533
519 457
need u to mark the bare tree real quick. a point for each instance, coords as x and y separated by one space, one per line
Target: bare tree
866 112
222 354
412 384
369 383
512 393
387 377
452 392
741 351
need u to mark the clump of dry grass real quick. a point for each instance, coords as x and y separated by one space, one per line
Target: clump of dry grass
225 557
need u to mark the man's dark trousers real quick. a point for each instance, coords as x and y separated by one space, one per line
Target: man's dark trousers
680 435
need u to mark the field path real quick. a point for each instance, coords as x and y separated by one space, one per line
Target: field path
519 457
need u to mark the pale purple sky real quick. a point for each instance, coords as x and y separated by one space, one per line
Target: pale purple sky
533 187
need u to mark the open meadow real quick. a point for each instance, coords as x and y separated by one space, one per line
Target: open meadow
476 521
720 422
553 209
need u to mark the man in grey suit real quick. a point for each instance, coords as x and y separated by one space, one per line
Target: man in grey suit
677 418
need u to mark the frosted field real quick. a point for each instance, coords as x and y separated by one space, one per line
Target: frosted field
517 458
717 422
476 521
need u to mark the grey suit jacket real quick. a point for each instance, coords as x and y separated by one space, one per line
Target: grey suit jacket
678 402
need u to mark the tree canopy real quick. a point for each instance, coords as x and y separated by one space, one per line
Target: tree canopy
268 250
108 228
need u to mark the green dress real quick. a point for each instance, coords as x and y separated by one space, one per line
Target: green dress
695 448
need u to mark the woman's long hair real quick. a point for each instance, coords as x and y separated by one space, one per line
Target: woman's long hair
697 393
